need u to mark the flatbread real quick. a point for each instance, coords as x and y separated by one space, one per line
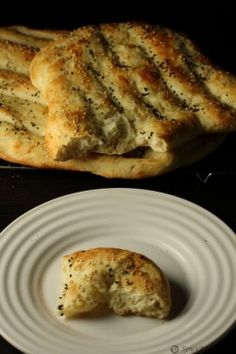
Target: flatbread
116 87
22 129
23 120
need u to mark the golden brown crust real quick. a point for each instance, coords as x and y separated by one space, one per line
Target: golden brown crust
115 87
15 85
19 44
22 129
21 146
128 282
23 118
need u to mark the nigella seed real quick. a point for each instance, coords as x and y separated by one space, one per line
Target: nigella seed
129 282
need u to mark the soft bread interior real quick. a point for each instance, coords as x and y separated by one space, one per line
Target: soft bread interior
24 116
116 87
124 281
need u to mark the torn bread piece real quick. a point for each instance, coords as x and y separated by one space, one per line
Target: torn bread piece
125 281
23 120
113 88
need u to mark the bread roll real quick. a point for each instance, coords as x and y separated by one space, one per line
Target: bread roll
125 281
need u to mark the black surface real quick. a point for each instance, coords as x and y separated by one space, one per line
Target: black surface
209 183
210 23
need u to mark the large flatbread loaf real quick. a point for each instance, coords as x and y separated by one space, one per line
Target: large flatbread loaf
23 120
117 87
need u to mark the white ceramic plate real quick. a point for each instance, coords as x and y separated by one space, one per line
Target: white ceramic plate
194 248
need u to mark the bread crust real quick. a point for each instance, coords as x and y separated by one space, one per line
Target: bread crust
19 44
128 282
115 87
23 120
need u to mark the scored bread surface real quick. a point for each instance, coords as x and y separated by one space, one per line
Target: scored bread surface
125 281
115 87
23 120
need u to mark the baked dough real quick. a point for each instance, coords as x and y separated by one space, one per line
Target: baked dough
127 282
19 44
116 87
22 128
23 120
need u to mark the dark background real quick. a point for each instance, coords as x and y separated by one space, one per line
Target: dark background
210 23
209 183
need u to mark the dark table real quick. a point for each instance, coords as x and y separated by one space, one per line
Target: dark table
210 183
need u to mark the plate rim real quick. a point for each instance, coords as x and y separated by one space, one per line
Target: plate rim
68 196
142 190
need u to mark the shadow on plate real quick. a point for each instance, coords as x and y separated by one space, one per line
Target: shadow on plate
180 297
